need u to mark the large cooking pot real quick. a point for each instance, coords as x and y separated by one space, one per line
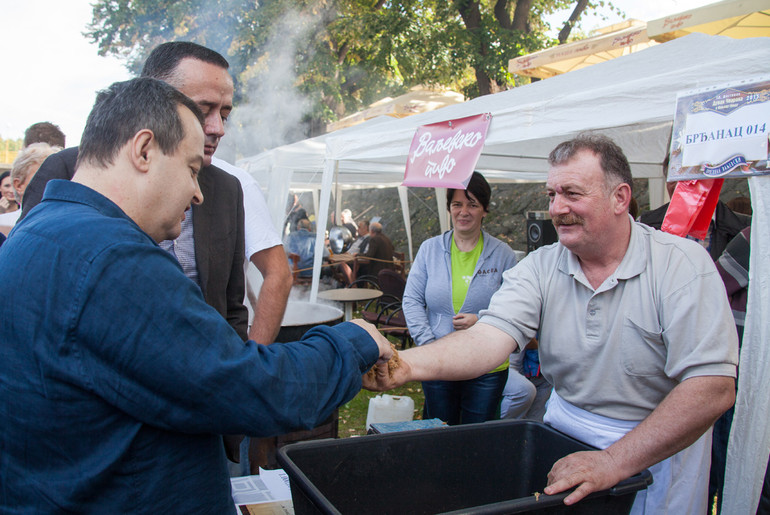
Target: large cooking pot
300 317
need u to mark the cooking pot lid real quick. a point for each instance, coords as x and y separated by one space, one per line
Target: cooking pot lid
340 239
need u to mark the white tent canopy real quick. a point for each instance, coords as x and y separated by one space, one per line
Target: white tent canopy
631 99
609 43
732 18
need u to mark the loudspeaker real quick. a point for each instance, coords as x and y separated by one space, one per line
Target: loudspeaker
540 230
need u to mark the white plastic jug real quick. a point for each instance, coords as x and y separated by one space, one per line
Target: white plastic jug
389 408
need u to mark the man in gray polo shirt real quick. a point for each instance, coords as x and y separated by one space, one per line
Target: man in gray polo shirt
636 336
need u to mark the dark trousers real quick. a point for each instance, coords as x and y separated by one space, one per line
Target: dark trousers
465 402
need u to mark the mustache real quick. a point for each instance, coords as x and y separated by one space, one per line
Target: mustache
567 220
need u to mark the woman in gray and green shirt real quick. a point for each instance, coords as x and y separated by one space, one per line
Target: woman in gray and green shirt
452 278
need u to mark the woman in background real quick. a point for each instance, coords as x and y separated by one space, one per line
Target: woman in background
8 203
452 278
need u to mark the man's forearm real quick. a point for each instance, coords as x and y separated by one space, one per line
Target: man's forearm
461 355
678 421
271 304
269 310
684 415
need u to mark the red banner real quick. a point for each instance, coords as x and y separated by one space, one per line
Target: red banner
444 154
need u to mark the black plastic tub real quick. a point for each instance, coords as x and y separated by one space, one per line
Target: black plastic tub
491 468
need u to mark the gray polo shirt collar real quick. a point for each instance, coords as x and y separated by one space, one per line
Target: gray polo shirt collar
633 263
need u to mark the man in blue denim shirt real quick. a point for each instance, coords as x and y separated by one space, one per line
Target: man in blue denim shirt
112 392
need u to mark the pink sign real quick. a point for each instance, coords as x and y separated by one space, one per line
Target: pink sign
444 154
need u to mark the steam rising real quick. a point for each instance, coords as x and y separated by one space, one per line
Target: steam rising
272 109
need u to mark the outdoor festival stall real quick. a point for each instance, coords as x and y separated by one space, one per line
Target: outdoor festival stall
632 99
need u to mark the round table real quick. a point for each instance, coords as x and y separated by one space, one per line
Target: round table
349 296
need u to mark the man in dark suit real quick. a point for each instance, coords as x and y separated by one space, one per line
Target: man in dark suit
211 248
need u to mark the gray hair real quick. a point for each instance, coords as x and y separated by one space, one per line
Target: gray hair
28 161
611 158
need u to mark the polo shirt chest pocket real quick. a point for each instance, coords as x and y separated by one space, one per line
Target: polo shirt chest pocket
643 352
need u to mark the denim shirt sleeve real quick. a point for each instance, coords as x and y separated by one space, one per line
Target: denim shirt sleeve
145 341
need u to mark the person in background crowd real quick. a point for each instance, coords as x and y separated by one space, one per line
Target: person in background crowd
361 245
264 249
530 368
44 132
23 169
121 376
302 243
346 217
733 268
295 213
380 252
633 209
725 224
519 392
8 202
641 367
741 205
452 279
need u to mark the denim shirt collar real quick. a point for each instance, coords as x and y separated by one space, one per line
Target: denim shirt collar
69 191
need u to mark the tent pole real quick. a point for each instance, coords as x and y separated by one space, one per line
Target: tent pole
314 195
657 190
337 198
402 195
330 170
443 216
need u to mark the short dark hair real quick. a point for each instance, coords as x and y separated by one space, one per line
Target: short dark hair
479 186
611 158
44 132
164 58
124 109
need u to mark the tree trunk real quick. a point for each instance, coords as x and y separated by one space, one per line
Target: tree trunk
579 8
471 15
521 16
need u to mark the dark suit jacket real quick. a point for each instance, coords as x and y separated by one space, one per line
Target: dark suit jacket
727 225
217 233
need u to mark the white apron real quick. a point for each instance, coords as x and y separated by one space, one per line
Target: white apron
680 483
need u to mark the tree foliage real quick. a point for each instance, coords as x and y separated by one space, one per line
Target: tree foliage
339 55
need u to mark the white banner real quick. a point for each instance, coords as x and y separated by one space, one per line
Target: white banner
721 132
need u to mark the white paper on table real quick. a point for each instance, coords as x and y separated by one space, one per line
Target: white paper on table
277 481
268 486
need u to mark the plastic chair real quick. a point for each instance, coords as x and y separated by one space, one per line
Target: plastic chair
295 271
399 263
392 321
392 284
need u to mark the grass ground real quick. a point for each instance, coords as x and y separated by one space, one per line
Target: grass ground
352 421
353 414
